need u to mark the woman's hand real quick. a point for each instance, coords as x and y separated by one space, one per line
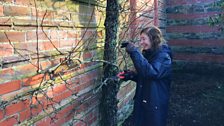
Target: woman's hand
130 47
126 75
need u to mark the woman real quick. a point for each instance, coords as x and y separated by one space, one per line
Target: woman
153 77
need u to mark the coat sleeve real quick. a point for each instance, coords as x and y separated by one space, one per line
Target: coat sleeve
134 76
159 68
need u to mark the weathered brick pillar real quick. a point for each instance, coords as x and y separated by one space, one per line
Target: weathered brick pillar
189 33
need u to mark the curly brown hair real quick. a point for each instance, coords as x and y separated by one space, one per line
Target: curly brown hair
155 36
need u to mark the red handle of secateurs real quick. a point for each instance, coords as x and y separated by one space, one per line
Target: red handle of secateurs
121 75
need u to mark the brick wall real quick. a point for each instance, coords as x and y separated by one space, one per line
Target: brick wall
31 93
189 33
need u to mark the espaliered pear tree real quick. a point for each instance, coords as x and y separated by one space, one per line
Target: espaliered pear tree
110 89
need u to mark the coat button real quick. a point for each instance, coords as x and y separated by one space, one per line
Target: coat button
144 101
140 86
156 107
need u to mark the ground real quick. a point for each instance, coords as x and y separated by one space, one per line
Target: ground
197 99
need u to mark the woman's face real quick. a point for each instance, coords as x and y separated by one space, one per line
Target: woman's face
145 41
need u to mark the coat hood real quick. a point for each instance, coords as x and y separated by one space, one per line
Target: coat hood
149 53
167 49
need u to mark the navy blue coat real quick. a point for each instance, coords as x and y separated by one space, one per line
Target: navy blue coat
153 83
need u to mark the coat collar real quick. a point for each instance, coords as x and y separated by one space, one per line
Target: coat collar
149 54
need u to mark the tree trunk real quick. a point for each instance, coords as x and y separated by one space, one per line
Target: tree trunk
109 92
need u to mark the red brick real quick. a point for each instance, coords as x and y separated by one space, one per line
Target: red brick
90 115
62 35
19 21
192 16
80 123
200 57
24 115
91 118
33 80
10 86
187 2
192 29
72 83
54 35
35 101
89 76
94 119
1 10
64 112
85 85
89 33
61 14
49 45
67 43
62 96
9 121
7 0
210 43
6 50
93 101
44 122
125 90
59 122
25 69
42 14
5 21
24 2
59 89
86 65
12 36
42 35
62 68
6 71
72 34
47 64
60 117
25 48
16 11
16 107
36 110
1 114
87 55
